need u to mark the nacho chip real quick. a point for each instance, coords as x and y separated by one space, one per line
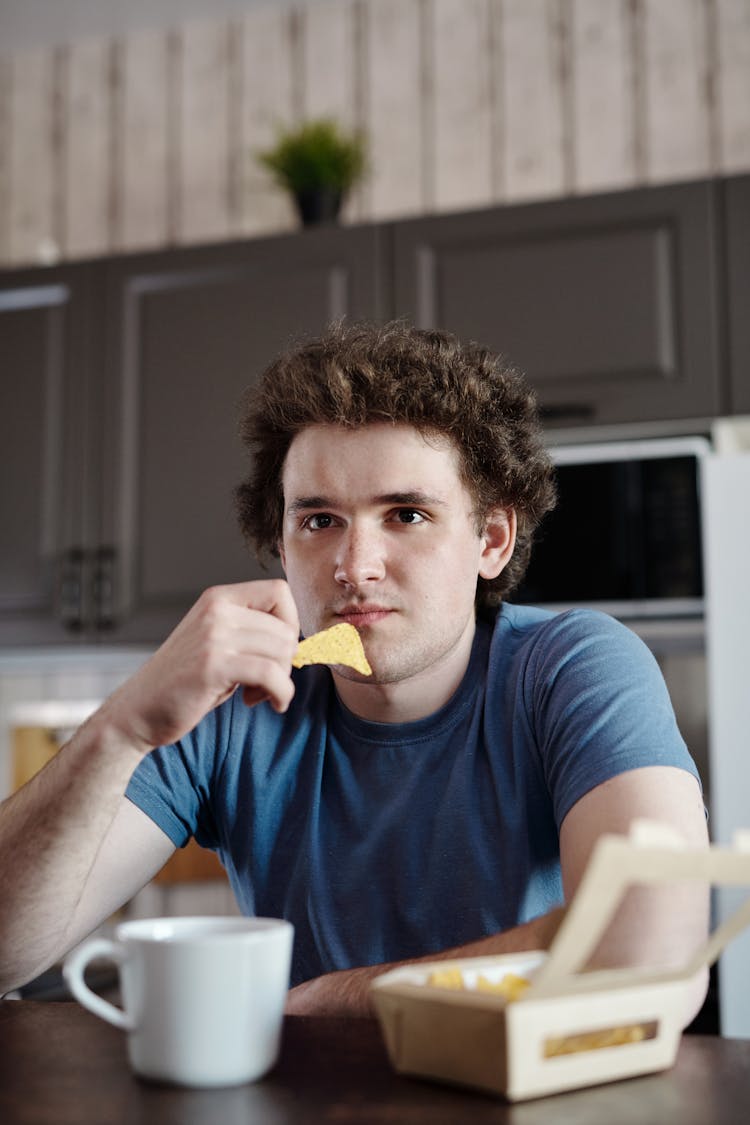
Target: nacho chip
447 978
595 1040
341 644
511 986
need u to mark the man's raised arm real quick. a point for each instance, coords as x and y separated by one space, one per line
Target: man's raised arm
59 875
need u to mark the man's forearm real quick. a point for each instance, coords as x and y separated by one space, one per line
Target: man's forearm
50 832
347 992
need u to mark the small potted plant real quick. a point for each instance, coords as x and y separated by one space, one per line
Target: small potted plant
318 163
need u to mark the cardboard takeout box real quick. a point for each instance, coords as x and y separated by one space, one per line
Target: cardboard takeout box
568 1029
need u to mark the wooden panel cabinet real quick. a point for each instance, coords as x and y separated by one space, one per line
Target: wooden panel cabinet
606 303
121 379
737 242
120 388
47 334
187 334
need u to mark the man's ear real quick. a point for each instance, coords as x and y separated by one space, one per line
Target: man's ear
498 540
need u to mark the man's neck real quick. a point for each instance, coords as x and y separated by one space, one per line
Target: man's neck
413 698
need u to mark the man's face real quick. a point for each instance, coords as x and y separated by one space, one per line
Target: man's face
379 531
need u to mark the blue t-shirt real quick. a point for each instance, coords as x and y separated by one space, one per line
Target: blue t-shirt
383 841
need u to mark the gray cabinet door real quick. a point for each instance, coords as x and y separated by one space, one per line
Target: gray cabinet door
607 303
188 333
45 350
737 228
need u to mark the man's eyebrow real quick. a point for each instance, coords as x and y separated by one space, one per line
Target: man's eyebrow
411 497
309 503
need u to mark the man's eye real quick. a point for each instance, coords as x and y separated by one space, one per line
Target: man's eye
409 515
318 522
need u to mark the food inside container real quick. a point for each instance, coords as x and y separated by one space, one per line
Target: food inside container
511 986
527 1024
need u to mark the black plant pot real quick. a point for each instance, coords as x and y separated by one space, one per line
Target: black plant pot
318 205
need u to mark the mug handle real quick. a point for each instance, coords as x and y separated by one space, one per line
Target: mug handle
75 967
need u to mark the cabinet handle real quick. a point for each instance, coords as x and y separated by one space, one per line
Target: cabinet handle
103 587
71 589
567 412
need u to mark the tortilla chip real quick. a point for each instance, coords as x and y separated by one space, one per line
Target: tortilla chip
511 986
447 978
341 644
595 1040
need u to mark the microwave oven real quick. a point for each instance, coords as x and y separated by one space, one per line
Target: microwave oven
626 533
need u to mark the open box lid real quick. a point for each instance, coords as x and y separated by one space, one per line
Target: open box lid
572 1026
651 854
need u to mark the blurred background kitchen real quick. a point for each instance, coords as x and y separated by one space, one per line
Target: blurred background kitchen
566 180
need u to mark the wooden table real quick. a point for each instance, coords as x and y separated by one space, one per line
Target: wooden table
59 1065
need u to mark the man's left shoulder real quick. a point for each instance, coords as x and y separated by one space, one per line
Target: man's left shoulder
583 642
538 624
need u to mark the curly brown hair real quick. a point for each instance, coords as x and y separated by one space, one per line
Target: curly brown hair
359 373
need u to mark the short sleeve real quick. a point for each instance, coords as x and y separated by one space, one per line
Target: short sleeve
599 706
173 784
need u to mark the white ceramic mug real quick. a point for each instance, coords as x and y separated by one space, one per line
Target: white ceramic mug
203 998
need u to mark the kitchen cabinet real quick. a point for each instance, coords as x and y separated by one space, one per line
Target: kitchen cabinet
120 379
186 335
737 279
149 362
607 303
48 335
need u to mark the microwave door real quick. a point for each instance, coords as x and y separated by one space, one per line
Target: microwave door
625 536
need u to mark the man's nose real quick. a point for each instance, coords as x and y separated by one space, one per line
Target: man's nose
361 557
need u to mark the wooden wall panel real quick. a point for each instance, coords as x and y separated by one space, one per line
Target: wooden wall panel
328 67
331 71
266 91
148 141
5 88
675 54
462 112
86 182
203 157
141 143
498 128
733 84
34 157
394 108
603 94
533 98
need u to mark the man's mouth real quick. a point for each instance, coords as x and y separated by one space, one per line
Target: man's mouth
361 615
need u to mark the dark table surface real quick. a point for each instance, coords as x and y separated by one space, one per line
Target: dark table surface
61 1065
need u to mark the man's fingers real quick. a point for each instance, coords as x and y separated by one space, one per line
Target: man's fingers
262 677
244 634
280 701
271 596
253 631
244 619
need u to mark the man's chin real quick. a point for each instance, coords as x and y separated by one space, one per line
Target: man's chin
344 672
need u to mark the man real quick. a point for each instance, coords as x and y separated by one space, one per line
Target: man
446 804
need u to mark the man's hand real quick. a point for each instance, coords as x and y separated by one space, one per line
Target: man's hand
244 634
347 992
344 993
